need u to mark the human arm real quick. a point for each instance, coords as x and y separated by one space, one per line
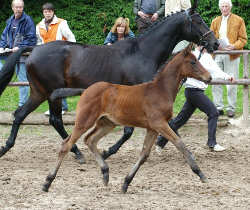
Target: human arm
242 36
66 32
108 40
185 4
38 36
3 41
131 34
136 7
29 36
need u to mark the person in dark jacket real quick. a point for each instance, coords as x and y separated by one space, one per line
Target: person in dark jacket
20 31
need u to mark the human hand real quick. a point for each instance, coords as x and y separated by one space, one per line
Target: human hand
142 14
154 17
229 47
2 50
15 49
109 43
231 79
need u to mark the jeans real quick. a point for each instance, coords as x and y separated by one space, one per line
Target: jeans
64 105
22 77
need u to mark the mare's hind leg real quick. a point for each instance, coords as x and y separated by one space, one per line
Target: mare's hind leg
128 131
102 128
168 133
20 114
55 119
147 145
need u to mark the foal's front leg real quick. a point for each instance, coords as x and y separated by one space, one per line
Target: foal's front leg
147 145
168 133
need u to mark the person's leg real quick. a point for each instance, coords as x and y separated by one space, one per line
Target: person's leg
22 77
207 106
182 117
217 90
64 104
232 68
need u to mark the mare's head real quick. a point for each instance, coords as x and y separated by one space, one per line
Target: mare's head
190 65
197 30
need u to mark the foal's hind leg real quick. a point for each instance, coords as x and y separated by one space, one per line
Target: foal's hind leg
147 145
168 133
103 127
128 131
56 121
19 115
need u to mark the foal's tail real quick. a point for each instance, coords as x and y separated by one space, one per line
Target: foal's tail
65 92
8 69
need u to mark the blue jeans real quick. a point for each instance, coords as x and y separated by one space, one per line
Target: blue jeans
64 105
22 77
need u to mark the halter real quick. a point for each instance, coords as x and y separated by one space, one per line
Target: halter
203 36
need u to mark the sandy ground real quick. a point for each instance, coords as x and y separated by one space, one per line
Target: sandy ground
165 181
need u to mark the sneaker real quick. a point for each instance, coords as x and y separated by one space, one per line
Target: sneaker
217 148
47 112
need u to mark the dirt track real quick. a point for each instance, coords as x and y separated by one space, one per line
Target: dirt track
164 182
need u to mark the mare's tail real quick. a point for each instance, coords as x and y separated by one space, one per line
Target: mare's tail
65 92
8 69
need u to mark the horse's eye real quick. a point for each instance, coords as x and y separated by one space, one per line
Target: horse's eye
193 62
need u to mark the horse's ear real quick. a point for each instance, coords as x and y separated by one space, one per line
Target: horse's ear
194 7
188 49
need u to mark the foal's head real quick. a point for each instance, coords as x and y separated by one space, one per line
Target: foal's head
191 67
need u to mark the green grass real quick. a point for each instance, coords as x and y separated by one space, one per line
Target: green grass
9 99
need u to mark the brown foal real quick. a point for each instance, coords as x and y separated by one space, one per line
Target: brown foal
148 105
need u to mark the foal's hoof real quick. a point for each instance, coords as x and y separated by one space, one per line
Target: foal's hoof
204 180
125 187
45 188
80 158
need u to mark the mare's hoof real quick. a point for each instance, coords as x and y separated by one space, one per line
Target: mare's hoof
105 154
125 187
80 158
106 179
2 151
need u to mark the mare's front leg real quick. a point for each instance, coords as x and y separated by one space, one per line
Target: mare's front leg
102 128
20 114
55 119
147 145
128 131
168 133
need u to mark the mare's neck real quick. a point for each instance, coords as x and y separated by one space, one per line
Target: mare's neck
159 43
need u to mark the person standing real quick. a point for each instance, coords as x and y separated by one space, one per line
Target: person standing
119 31
173 6
195 98
230 29
52 28
20 31
147 12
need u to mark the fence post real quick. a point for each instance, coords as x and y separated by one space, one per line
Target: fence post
245 88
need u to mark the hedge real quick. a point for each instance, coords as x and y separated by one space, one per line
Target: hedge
88 19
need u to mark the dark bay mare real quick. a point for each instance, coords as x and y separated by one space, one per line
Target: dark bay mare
62 64
149 105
